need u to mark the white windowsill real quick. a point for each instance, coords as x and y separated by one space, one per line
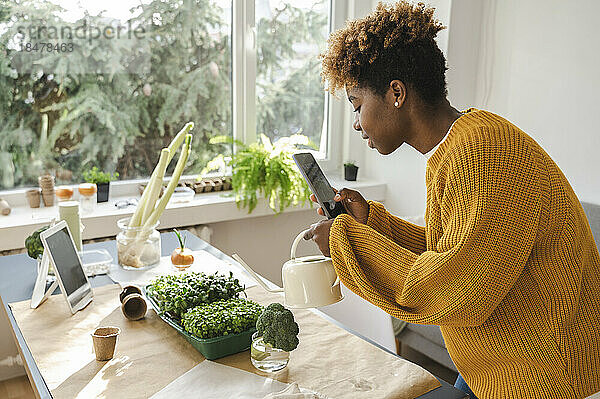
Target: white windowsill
203 209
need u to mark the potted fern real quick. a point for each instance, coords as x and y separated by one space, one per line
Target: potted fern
102 181
266 169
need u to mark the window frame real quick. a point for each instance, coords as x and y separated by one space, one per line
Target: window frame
244 50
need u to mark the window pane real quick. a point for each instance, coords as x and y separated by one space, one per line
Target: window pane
289 95
119 80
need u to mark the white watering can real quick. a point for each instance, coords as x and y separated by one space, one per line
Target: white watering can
308 282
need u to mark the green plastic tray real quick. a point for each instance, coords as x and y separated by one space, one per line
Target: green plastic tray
211 348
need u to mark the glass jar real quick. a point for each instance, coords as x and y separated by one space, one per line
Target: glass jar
266 358
63 193
87 197
138 248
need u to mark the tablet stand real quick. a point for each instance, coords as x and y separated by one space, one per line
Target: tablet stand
39 290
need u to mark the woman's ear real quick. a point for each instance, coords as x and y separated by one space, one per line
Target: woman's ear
397 93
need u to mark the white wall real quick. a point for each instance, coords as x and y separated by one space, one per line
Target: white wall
542 62
463 51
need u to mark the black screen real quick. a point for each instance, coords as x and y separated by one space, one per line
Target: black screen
318 183
66 260
316 177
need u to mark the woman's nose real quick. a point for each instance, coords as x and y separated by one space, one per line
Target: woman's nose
356 125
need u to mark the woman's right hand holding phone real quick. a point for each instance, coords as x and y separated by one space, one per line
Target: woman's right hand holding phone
354 203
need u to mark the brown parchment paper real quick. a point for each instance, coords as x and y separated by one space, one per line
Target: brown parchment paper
150 354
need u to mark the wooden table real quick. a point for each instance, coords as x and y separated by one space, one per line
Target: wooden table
17 277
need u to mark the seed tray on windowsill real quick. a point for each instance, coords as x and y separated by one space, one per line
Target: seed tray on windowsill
211 348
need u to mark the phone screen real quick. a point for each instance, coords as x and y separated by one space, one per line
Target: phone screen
318 184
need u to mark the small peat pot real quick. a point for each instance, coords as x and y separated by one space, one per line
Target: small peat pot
105 342
133 304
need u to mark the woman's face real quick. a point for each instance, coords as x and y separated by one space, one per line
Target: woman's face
377 119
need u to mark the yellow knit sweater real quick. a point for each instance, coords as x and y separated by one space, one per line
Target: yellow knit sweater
506 264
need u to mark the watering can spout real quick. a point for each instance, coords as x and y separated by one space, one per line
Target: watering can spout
254 275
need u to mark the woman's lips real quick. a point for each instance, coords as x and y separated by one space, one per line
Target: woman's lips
370 143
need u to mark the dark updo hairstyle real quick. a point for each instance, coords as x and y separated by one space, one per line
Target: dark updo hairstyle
393 42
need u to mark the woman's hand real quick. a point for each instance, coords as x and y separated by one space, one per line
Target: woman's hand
319 232
353 201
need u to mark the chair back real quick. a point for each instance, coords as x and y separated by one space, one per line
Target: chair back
592 211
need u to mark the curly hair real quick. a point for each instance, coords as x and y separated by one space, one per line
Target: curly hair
393 42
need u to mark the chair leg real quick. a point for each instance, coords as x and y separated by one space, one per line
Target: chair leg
398 347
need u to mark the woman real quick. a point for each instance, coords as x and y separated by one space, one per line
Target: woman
506 265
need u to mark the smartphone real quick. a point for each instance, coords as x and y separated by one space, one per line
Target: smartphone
318 184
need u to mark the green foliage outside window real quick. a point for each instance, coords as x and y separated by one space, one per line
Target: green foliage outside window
290 98
66 121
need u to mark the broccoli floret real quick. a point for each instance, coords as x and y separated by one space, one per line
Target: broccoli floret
33 243
278 328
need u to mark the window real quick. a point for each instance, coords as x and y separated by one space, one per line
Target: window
289 95
108 85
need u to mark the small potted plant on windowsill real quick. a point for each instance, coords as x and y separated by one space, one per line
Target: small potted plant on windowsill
350 171
102 181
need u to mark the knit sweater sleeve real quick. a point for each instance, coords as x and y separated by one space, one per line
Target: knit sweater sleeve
403 233
490 200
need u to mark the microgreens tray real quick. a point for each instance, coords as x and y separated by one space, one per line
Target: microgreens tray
211 348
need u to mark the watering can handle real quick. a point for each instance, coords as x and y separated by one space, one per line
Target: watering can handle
293 252
295 243
258 279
